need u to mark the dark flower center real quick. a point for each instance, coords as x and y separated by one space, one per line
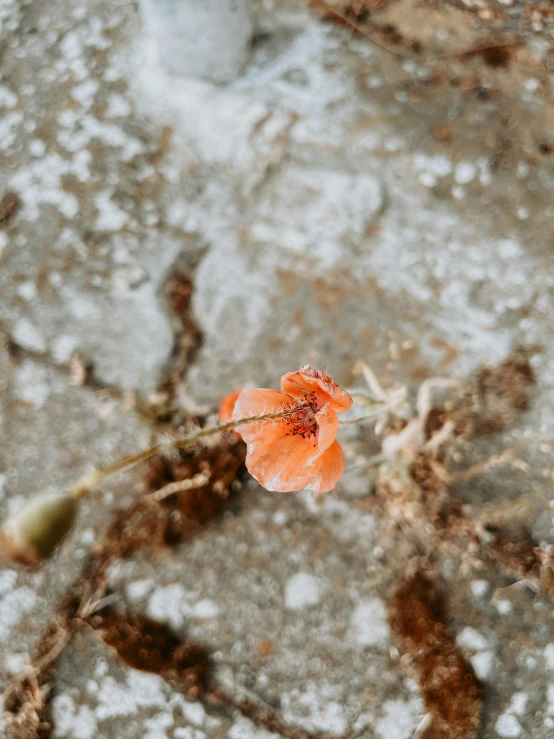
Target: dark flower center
303 422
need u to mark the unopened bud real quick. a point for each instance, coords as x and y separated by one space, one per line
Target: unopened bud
31 534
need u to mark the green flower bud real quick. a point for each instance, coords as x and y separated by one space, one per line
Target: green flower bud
31 534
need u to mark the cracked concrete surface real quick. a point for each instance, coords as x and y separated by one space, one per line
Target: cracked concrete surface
342 201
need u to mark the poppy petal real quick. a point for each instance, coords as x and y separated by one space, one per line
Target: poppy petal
306 380
327 469
254 401
284 465
288 475
328 426
227 405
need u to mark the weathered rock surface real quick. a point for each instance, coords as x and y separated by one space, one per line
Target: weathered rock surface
342 201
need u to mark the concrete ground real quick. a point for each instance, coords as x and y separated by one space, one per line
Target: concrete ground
376 186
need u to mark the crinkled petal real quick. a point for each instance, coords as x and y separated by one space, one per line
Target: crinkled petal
327 470
284 469
328 426
280 445
307 380
282 465
254 401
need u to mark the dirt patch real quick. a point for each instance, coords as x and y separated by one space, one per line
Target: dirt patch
179 294
503 392
494 56
421 498
150 646
515 549
162 406
9 205
26 699
422 489
150 524
494 400
357 17
450 688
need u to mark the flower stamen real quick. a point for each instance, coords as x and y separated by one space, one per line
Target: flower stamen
303 422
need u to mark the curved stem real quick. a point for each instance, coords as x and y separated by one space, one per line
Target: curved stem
84 486
369 417
366 399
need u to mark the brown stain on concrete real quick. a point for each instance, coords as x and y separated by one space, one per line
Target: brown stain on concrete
451 691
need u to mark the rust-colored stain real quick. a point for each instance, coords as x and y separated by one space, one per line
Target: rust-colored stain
164 140
150 646
495 55
372 284
276 343
450 688
357 18
328 294
43 283
372 230
503 392
297 317
183 514
450 352
265 647
70 183
442 133
288 281
9 205
519 553
188 340
496 397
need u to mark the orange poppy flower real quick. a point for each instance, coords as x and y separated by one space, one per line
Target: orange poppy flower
297 451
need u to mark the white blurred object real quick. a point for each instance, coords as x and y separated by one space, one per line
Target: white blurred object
207 39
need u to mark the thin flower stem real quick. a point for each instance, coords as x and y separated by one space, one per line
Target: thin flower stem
366 399
369 417
87 483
